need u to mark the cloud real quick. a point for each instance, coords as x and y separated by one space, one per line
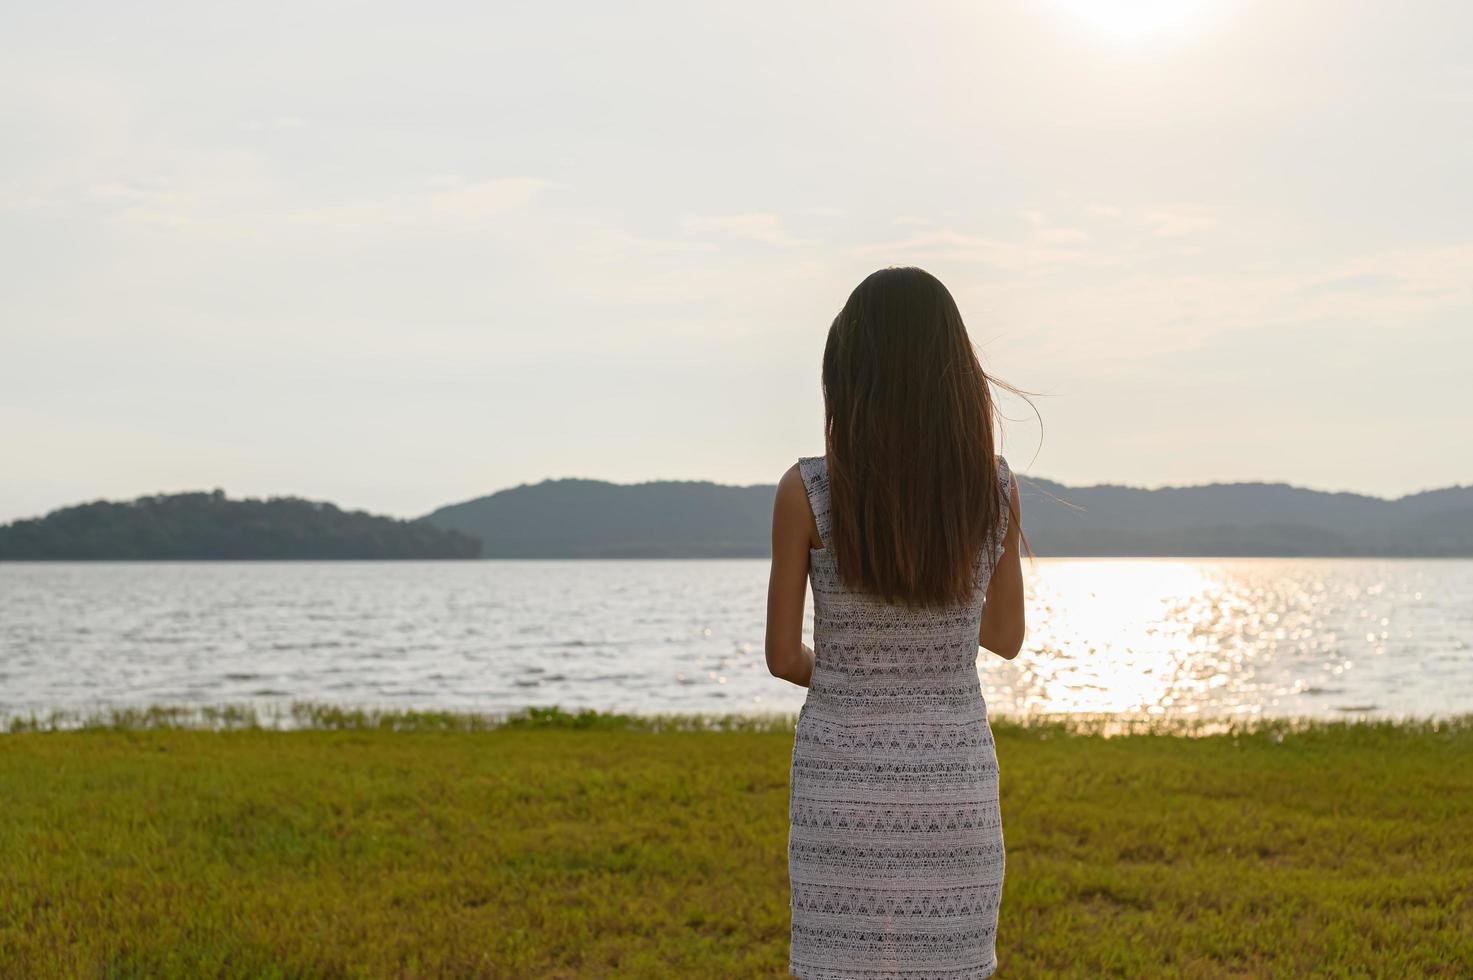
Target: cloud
122 192
487 197
766 228
229 198
1455 85
1155 280
1393 283
1175 222
274 123
1129 321
1060 236
1048 248
605 245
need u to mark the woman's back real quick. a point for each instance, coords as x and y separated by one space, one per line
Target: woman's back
895 849
885 659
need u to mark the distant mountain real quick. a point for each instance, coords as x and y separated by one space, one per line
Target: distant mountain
668 519
594 519
212 526
678 519
1245 519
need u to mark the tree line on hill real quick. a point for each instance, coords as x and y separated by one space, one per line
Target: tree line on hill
674 519
685 519
195 526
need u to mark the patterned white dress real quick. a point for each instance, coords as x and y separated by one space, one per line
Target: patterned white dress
895 847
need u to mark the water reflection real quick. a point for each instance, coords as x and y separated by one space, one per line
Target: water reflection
1241 636
1134 637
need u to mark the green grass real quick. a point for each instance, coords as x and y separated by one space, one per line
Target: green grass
391 844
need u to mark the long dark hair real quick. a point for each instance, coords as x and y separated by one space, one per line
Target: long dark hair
908 419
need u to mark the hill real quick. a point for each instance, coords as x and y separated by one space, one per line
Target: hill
676 519
194 526
594 519
697 519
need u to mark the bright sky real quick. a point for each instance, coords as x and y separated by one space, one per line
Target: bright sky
401 255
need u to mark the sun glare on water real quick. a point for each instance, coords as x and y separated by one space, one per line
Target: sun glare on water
1131 22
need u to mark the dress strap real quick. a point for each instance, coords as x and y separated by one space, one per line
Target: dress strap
815 472
1005 482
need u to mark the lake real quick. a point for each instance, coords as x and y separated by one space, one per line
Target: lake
1137 637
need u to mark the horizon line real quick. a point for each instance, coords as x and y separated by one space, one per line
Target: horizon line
1023 479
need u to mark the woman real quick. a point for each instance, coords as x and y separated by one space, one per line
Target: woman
908 528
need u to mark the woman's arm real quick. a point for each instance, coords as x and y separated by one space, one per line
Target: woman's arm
788 656
1003 624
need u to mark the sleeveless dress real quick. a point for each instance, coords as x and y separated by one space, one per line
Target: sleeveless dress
895 847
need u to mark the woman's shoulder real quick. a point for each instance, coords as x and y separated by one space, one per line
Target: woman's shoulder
792 483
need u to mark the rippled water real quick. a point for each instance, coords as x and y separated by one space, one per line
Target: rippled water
1134 636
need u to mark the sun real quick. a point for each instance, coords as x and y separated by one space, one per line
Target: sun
1132 22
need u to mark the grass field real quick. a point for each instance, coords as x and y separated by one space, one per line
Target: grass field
558 845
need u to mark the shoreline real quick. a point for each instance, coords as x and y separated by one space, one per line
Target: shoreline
595 559
306 715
